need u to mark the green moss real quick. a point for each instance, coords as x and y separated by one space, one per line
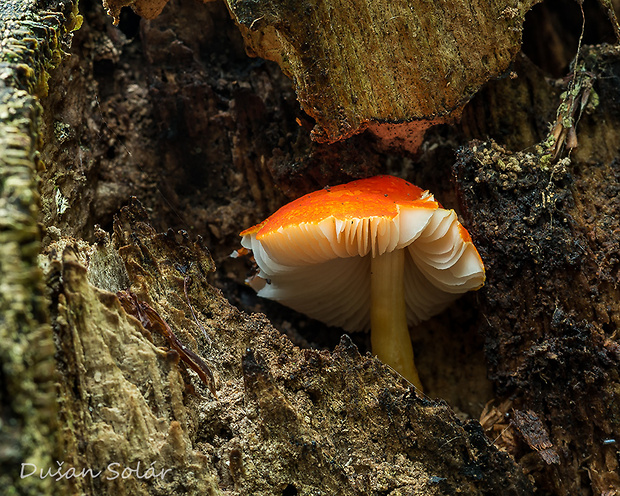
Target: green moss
545 161
593 101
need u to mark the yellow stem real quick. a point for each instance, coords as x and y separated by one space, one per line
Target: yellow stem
389 333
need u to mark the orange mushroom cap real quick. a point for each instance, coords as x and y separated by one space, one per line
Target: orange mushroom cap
314 253
379 196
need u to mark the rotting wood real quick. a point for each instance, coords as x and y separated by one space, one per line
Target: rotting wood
597 173
149 9
336 422
31 43
394 67
548 232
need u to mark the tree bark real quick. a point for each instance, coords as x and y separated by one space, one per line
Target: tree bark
394 67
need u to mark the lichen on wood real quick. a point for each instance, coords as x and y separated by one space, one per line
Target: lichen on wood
31 42
123 397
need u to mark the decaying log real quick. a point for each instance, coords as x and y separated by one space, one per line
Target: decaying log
132 419
305 420
170 110
149 9
394 67
549 233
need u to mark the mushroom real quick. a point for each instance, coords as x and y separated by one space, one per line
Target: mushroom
376 253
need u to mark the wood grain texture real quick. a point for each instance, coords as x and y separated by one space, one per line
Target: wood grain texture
361 63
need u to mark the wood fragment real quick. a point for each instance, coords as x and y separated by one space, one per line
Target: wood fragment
149 9
393 66
152 321
535 435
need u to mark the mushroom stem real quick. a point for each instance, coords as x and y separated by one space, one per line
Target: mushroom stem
389 333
